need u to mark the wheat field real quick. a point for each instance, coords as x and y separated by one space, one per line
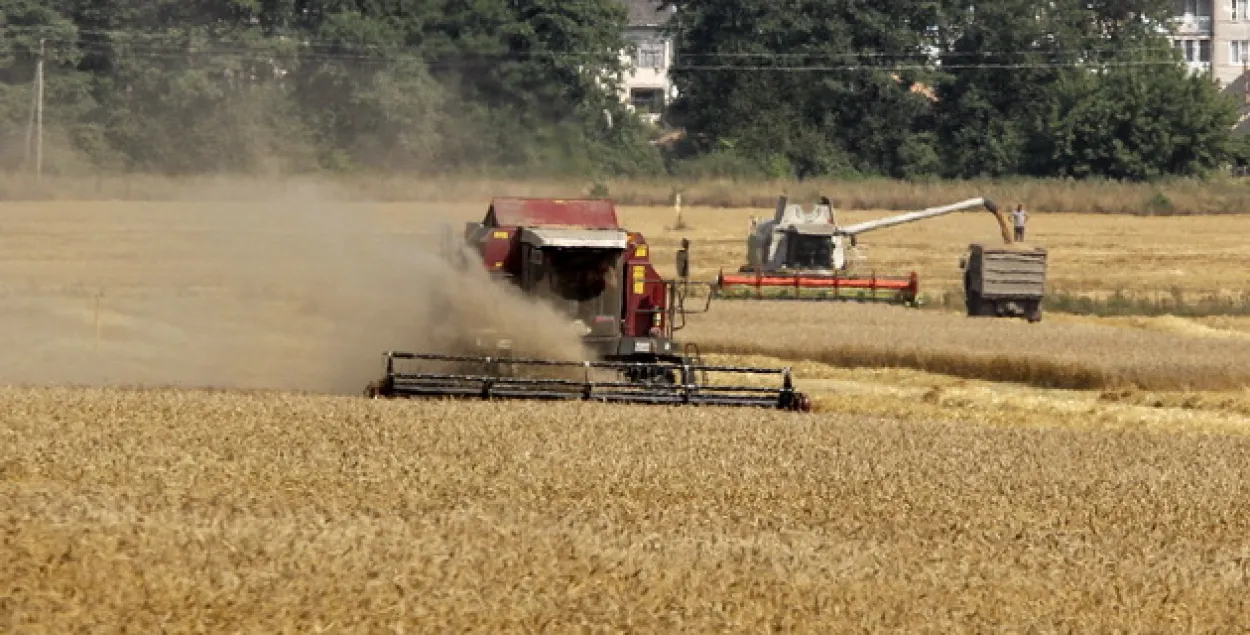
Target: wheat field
185 447
254 512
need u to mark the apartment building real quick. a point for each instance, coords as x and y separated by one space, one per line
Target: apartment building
647 88
1214 36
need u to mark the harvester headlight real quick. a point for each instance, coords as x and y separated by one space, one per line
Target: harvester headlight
505 344
581 327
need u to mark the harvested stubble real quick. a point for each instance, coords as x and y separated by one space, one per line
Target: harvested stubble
1048 355
916 396
233 512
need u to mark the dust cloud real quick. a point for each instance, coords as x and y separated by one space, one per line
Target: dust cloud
300 292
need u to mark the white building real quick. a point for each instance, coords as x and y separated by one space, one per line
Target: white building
1214 36
647 88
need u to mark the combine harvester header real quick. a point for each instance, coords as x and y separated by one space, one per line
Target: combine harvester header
807 255
574 256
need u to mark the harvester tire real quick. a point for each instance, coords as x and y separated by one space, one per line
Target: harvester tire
803 403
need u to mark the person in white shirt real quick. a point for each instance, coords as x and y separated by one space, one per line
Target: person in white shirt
1018 218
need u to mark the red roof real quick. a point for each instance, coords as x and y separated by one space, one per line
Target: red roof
551 212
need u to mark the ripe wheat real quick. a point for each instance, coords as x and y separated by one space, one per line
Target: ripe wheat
229 512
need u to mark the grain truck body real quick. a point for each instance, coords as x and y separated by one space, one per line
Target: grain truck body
1005 281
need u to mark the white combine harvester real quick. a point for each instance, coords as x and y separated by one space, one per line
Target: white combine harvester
806 255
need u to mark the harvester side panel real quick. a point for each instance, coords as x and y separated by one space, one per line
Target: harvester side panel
645 291
499 249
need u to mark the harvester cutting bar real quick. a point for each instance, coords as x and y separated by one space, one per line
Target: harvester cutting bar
812 286
510 385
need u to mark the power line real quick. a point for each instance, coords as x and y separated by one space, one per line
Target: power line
387 57
925 67
921 51
263 56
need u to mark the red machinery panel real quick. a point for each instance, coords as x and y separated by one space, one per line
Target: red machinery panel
646 295
551 212
819 282
499 252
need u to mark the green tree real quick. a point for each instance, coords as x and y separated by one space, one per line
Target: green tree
812 83
195 85
1073 88
534 83
29 26
1139 123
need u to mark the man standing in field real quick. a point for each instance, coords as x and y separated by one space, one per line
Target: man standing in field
1018 218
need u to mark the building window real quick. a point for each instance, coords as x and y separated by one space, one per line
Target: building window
1238 51
1238 9
649 55
1198 50
647 100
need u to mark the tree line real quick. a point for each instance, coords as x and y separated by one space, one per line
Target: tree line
806 88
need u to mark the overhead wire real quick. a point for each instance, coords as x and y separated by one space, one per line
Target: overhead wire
306 48
325 42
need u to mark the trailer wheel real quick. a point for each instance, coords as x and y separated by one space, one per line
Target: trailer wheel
1035 312
973 303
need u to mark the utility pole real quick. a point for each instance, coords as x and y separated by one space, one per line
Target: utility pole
39 114
30 125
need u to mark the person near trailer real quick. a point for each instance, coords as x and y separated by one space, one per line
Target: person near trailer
1019 218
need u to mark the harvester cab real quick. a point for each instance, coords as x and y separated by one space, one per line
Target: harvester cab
808 255
573 256
573 270
796 240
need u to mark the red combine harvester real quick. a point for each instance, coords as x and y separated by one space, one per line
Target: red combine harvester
807 255
574 256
